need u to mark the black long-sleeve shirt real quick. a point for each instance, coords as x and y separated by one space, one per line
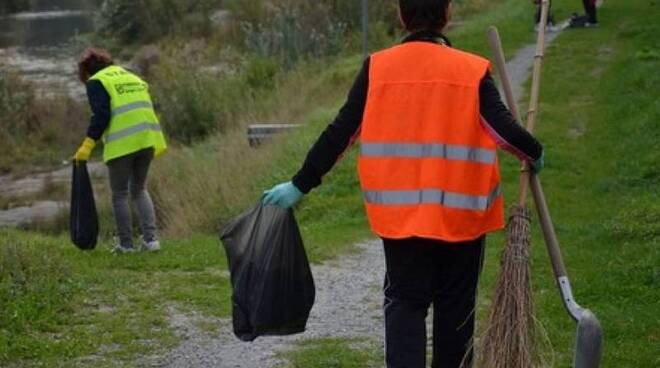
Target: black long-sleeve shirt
99 102
342 132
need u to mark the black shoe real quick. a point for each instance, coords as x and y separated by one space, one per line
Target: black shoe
578 21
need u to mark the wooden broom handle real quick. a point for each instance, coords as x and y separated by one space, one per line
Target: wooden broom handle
532 113
547 226
496 46
500 63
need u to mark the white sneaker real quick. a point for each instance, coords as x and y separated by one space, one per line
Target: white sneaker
118 249
550 28
150 246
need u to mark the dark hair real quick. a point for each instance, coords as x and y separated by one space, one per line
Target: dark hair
92 61
424 14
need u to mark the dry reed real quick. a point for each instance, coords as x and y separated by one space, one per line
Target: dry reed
511 321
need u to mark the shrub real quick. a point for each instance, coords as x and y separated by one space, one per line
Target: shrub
36 130
194 103
13 6
293 31
131 21
196 188
17 98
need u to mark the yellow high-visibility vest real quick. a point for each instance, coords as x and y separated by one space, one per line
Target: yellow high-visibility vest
133 123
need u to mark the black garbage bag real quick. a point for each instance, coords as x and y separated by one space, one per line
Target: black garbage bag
273 288
83 220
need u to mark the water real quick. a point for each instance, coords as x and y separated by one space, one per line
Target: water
35 43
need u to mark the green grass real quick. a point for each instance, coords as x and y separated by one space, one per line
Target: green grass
335 353
599 123
64 307
599 114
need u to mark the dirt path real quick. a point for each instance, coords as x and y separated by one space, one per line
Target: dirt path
348 303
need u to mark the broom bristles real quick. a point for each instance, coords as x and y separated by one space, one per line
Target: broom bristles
509 339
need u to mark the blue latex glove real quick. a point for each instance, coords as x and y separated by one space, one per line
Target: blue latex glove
284 195
538 165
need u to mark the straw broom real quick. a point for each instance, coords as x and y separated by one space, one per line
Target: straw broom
510 336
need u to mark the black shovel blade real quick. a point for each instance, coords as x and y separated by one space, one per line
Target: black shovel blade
589 342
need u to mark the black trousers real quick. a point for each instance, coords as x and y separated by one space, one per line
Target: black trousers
590 10
420 272
537 17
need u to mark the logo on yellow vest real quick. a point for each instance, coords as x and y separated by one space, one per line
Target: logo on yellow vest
133 87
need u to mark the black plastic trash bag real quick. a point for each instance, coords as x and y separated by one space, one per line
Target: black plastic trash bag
273 288
83 220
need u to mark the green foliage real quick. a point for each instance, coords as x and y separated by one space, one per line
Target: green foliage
130 21
348 12
13 6
196 103
36 130
231 175
600 187
260 74
335 353
294 31
17 99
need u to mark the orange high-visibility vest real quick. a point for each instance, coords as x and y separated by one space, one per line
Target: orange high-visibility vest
427 167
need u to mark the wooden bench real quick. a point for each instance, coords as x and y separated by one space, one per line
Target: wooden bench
257 133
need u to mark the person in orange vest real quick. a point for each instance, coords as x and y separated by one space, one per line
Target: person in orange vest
430 119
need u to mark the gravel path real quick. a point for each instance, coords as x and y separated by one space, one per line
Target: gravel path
348 299
348 304
520 67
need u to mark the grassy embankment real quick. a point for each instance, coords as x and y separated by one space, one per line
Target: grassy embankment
599 125
599 107
71 308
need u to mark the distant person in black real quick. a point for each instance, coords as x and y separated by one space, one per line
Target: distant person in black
588 19
537 18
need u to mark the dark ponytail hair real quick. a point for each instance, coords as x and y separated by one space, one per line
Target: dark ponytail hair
92 61
420 15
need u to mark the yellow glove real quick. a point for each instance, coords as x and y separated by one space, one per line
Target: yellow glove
85 150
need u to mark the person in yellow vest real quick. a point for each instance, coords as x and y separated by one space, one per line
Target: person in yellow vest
125 120
430 119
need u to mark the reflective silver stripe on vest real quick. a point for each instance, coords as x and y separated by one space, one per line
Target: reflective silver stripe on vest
131 107
432 196
432 150
130 131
